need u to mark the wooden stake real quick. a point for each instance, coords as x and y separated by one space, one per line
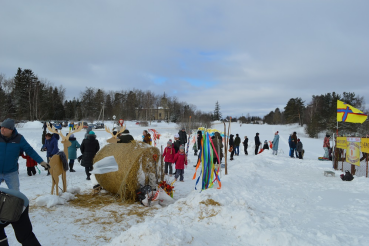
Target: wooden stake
225 147
161 164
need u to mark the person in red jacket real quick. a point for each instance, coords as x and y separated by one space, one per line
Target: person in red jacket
168 155
31 163
180 159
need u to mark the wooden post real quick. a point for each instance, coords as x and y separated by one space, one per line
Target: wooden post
229 127
366 164
343 157
225 147
161 164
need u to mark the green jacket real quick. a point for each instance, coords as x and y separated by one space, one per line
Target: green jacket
237 141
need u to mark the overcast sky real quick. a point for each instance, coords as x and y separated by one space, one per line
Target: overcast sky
251 56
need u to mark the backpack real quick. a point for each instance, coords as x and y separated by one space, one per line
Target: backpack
347 177
142 192
11 207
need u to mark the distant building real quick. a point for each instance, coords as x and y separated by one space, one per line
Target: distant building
159 113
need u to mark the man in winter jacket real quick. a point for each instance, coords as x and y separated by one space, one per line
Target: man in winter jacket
275 143
326 146
51 146
182 136
237 142
11 145
176 143
257 143
299 148
89 147
23 227
245 145
218 147
125 137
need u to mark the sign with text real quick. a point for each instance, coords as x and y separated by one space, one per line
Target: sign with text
342 142
365 145
353 151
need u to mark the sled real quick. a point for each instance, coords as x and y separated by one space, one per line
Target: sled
323 159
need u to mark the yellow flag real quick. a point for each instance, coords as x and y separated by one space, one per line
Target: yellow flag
347 113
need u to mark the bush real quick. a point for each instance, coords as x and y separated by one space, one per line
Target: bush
144 123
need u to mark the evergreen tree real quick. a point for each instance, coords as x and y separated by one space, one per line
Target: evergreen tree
217 114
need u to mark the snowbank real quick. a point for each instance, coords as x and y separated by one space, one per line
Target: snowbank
33 125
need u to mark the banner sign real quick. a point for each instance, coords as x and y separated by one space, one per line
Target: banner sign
341 143
365 145
353 151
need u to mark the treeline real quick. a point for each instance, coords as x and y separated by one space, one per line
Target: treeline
26 97
320 114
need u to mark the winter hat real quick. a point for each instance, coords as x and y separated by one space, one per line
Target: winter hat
257 133
265 141
71 136
169 142
183 129
91 133
237 134
176 136
126 131
182 147
276 132
8 123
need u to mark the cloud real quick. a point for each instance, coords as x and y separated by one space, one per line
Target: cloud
251 56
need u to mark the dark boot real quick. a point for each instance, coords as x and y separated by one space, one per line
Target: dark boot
71 168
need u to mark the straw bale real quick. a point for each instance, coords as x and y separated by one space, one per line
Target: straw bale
131 157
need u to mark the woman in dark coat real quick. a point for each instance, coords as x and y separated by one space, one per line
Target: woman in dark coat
89 147
245 145
231 144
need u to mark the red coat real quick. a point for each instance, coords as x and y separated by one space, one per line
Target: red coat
169 154
180 160
30 162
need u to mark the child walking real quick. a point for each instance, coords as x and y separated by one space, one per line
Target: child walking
72 151
180 159
168 155
31 163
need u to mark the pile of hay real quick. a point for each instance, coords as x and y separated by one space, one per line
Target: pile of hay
131 157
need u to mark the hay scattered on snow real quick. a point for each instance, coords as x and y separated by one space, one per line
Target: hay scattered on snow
211 202
131 157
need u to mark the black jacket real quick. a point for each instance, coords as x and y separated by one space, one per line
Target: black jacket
199 137
246 142
89 147
266 146
237 141
182 137
177 144
231 141
257 140
125 137
299 147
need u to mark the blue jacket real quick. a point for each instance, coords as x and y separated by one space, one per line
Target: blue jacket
10 148
275 142
56 136
51 147
72 150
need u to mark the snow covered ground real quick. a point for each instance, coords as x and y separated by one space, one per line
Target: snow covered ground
264 200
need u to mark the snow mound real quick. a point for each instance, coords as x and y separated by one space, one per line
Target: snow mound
33 124
53 200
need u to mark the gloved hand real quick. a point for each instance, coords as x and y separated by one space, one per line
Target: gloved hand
45 165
